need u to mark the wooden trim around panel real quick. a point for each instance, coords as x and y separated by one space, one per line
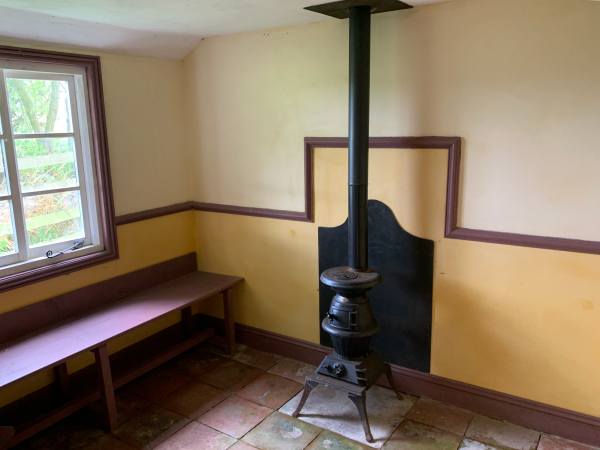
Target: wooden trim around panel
249 211
153 213
452 144
99 149
451 228
528 413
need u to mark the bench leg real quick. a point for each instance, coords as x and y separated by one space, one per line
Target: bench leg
186 321
61 378
229 322
107 391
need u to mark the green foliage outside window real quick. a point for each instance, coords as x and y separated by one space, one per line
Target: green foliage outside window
42 106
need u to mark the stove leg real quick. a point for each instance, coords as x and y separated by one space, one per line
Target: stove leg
390 378
308 386
361 404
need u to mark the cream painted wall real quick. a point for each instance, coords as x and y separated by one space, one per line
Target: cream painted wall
149 155
517 79
147 138
517 320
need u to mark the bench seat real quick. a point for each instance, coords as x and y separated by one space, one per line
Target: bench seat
55 344
52 345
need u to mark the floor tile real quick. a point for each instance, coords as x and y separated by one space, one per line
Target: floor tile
281 432
469 444
241 445
292 369
194 399
198 361
73 434
128 405
270 390
231 375
151 426
235 416
503 434
332 410
332 441
196 436
158 384
255 358
548 442
441 415
416 436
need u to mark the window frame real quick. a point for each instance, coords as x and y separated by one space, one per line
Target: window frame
97 171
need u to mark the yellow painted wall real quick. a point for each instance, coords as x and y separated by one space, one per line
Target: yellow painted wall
522 321
517 79
518 320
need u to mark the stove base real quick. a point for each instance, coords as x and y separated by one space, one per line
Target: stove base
356 392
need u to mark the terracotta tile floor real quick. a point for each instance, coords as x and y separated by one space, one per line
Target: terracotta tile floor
204 400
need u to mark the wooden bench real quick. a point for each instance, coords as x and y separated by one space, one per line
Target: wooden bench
55 343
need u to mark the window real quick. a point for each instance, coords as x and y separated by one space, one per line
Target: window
55 201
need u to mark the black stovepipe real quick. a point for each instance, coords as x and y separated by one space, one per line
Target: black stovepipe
358 133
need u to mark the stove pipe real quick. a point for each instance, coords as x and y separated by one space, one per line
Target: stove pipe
350 322
358 136
352 367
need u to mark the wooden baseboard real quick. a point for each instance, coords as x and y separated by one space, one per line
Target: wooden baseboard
167 344
527 413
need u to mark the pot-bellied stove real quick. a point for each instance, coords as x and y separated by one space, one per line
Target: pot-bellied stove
352 366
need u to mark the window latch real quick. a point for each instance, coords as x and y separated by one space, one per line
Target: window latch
76 245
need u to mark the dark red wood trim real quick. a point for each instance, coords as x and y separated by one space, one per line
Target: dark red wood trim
524 412
452 144
526 240
33 317
300 216
153 213
451 228
99 148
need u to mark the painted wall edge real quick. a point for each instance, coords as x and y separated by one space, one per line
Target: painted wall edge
451 229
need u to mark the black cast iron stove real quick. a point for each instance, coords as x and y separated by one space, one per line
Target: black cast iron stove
352 366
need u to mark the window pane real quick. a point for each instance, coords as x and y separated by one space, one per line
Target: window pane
53 217
3 171
39 106
7 230
45 164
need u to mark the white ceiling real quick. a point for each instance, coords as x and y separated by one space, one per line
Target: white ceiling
162 28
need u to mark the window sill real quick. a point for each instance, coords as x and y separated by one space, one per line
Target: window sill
31 274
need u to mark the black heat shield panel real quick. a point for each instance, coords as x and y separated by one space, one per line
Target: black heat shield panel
402 303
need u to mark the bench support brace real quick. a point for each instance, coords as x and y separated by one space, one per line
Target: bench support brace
229 321
105 383
61 378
